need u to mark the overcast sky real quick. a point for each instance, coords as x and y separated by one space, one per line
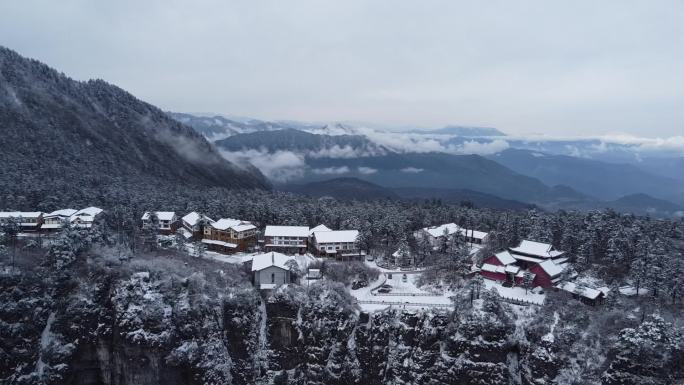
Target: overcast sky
554 67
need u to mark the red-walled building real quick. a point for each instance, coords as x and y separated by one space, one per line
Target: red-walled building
538 259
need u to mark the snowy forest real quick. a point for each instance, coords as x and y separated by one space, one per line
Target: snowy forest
96 307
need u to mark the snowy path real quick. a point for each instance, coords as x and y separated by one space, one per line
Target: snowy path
549 337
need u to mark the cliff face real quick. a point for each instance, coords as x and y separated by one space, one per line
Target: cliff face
159 321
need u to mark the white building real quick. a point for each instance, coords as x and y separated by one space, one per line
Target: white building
27 220
167 221
85 218
435 234
337 243
289 239
57 219
271 270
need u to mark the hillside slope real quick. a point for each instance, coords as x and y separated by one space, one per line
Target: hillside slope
60 133
341 188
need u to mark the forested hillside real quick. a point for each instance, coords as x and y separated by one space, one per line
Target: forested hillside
58 134
93 308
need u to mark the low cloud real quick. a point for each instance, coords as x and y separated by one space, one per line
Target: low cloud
482 148
367 170
279 166
345 152
412 170
331 170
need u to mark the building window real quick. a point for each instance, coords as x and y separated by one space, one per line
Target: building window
272 277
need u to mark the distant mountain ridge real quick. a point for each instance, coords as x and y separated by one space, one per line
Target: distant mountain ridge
60 133
218 127
606 181
463 131
341 188
304 142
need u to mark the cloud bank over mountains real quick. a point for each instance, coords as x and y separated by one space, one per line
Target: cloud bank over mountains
282 165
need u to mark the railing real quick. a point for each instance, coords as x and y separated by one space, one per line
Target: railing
405 303
518 301
406 294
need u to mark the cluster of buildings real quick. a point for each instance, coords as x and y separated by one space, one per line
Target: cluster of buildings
37 221
532 264
228 235
537 264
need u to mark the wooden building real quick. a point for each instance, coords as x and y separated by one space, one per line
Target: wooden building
229 235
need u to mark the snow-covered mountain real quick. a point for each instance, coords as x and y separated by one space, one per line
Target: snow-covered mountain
61 134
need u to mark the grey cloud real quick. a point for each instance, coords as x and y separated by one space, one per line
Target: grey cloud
576 67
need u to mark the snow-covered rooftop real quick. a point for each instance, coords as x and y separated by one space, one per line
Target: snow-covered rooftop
583 291
505 257
161 215
219 243
526 258
493 268
61 213
543 250
263 261
194 217
320 227
438 231
337 236
452 228
286 231
235 224
551 268
20 214
89 211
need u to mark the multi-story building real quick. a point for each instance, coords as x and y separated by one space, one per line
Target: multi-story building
167 221
85 218
339 244
57 219
229 235
286 239
26 220
193 225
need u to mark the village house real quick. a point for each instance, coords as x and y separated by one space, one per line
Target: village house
85 218
538 262
286 239
587 295
229 235
57 219
435 235
26 220
271 270
340 244
193 225
167 221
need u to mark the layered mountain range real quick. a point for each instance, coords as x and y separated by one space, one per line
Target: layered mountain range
60 134
508 169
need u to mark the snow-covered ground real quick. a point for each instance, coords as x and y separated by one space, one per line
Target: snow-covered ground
515 293
403 294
